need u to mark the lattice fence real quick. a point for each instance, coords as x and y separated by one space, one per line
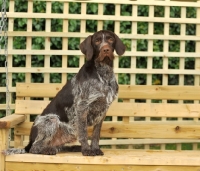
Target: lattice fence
157 64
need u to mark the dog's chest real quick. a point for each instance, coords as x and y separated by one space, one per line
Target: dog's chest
99 105
104 90
96 95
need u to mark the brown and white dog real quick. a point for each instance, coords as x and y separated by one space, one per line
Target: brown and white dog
82 102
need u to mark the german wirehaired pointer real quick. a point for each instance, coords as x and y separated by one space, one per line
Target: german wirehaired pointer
82 102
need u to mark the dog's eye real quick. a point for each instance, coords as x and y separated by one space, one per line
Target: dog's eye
110 39
97 41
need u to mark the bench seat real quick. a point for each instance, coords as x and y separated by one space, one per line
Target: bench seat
112 160
141 117
116 156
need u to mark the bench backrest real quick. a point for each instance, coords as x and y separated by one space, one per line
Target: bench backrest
142 115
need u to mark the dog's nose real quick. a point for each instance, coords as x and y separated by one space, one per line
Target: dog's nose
106 50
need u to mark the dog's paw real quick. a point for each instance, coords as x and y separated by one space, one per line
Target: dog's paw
49 151
98 152
88 152
35 150
92 152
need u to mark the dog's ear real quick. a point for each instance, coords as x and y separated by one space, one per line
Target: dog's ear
119 46
86 48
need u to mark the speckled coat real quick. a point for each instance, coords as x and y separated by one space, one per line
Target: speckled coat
82 102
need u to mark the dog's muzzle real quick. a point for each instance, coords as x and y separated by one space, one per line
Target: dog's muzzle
106 53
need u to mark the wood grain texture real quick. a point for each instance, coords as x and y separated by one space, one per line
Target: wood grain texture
154 130
125 91
17 166
160 92
116 157
123 109
11 121
3 146
37 89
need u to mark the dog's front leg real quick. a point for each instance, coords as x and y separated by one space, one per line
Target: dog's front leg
82 113
95 139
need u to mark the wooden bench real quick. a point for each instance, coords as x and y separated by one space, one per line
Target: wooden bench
132 121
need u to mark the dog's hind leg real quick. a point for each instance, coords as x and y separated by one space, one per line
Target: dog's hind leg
52 135
47 127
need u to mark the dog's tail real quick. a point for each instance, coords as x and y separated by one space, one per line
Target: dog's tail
13 151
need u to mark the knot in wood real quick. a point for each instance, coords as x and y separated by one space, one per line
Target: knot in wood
112 129
177 128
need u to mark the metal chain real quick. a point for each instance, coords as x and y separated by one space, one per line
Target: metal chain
4 39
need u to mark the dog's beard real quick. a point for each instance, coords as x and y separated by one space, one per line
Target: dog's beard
108 61
105 59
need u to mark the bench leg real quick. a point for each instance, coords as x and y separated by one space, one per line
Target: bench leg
3 145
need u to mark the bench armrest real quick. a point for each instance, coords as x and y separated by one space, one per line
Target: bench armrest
11 121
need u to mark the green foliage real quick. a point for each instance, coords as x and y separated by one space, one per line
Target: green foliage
21 5
39 6
37 61
17 77
175 12
38 24
74 8
92 8
57 7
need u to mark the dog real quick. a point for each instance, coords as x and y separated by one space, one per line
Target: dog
82 102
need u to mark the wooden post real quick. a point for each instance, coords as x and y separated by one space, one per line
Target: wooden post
3 145
197 65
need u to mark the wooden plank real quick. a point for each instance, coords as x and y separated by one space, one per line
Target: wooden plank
17 166
125 91
160 92
3 106
123 109
102 17
30 106
3 145
186 3
78 52
12 89
126 142
164 130
117 70
151 130
84 35
37 89
116 157
11 120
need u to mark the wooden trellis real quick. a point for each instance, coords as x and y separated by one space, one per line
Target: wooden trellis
151 37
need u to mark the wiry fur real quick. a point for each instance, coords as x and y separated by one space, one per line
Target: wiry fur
82 102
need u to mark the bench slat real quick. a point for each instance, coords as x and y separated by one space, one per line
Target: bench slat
160 92
180 130
116 157
30 106
37 89
118 109
125 91
17 166
129 141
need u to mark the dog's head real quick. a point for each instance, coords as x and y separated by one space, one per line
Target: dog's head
101 45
